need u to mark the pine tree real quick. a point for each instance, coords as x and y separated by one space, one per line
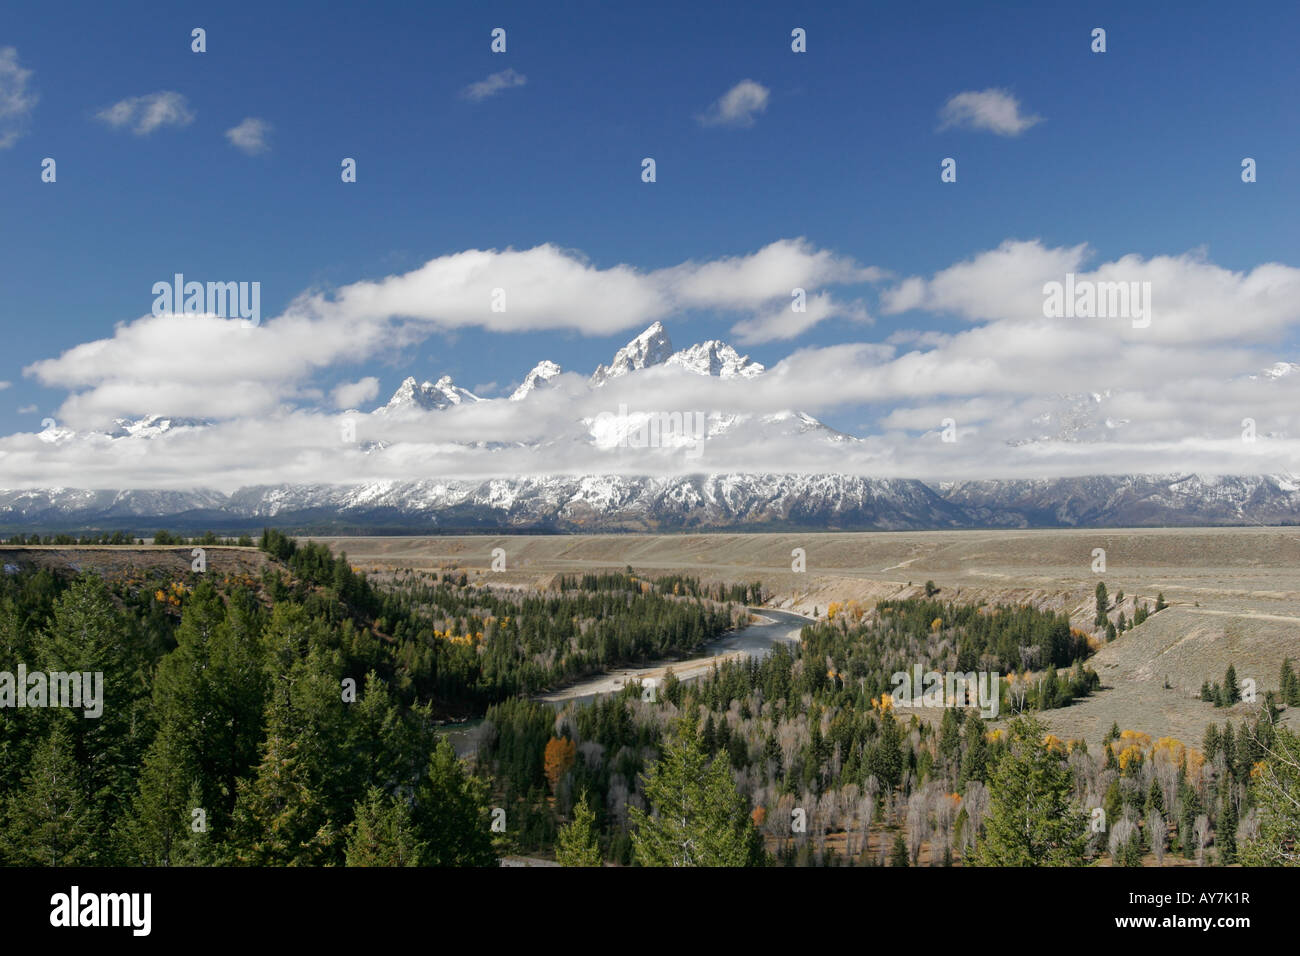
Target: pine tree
697 817
1155 797
1225 827
279 815
1290 685
88 634
1276 792
382 833
1031 821
1231 692
1211 742
209 696
974 762
1103 603
577 844
950 737
47 820
898 855
160 813
452 815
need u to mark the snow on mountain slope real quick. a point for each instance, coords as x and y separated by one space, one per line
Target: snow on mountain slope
539 377
651 347
715 358
429 396
722 500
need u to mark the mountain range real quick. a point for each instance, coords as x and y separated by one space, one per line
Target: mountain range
701 501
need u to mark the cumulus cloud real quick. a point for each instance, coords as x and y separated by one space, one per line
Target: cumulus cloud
738 106
494 84
1031 394
352 394
1190 297
994 111
17 101
250 136
785 323
147 113
178 362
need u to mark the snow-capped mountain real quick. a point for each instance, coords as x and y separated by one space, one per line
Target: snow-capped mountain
711 501
150 426
707 499
715 358
651 347
539 377
1128 500
429 396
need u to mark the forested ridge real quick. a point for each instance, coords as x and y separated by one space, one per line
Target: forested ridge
289 718
292 718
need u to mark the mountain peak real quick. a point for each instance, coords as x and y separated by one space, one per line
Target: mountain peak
428 396
651 347
715 357
539 377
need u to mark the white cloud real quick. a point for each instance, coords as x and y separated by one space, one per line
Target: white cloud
250 135
995 111
1076 396
1005 282
27 410
16 100
353 394
494 84
738 106
148 113
1189 296
784 323
178 363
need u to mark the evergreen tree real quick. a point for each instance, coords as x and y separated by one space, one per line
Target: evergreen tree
1290 685
1032 821
885 761
160 816
382 833
47 820
1276 792
974 761
452 814
1225 827
577 843
88 634
279 816
697 817
1231 692
1211 742
950 737
898 855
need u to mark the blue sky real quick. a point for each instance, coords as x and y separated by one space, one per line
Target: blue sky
1137 151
